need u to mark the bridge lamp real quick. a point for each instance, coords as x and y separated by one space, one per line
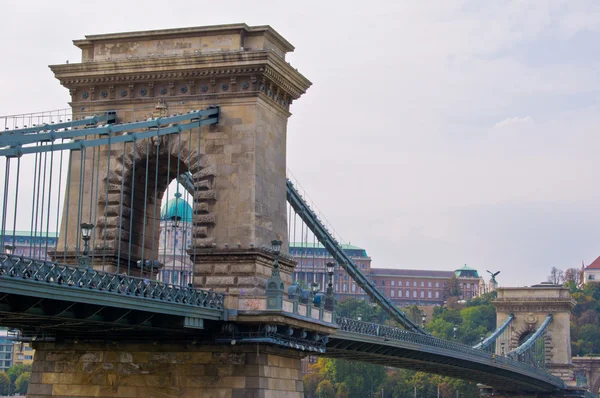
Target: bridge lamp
424 318
175 221
9 249
86 233
276 247
454 329
330 267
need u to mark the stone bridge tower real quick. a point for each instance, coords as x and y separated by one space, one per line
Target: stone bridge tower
238 166
531 306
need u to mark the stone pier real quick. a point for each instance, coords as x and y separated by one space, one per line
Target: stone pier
164 371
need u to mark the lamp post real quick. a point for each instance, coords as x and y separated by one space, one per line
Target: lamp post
330 295
86 233
502 348
424 318
275 287
175 221
454 329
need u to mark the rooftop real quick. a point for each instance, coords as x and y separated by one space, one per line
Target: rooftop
29 234
309 245
594 265
411 273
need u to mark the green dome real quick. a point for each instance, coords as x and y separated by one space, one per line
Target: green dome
466 272
176 207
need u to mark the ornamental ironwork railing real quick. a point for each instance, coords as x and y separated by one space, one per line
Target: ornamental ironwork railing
391 333
73 277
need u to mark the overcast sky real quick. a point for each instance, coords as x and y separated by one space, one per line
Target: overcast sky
433 136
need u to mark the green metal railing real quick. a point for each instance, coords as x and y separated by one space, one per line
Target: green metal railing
387 333
72 277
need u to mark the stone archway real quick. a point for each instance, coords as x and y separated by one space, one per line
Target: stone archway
129 213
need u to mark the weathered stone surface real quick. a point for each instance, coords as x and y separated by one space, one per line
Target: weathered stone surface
135 370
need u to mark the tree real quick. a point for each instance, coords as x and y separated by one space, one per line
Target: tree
4 383
573 275
325 390
342 391
15 371
22 382
453 287
556 276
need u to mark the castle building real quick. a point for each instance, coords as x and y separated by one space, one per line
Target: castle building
403 286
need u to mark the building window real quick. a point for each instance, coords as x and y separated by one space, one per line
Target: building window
399 283
437 294
337 287
345 287
28 357
393 283
437 284
428 284
415 283
414 293
399 293
591 277
422 284
422 294
392 293
382 283
429 294
353 288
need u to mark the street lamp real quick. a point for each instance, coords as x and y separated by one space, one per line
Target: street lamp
275 286
330 295
424 318
502 348
86 233
276 247
9 249
175 221
454 329
330 267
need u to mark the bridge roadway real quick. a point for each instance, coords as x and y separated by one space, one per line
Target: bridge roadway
388 346
53 299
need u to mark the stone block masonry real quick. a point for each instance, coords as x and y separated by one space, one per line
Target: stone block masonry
164 371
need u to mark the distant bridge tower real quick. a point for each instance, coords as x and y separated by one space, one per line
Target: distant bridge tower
531 306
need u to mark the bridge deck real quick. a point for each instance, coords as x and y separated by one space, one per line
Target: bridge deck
399 348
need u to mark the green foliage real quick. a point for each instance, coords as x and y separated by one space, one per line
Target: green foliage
325 390
342 391
356 379
15 371
352 308
585 319
4 383
22 382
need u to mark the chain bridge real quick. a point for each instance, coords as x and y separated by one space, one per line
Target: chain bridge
205 110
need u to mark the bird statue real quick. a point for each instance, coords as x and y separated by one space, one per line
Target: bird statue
493 274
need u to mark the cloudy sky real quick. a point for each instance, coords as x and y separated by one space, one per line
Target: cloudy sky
433 135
